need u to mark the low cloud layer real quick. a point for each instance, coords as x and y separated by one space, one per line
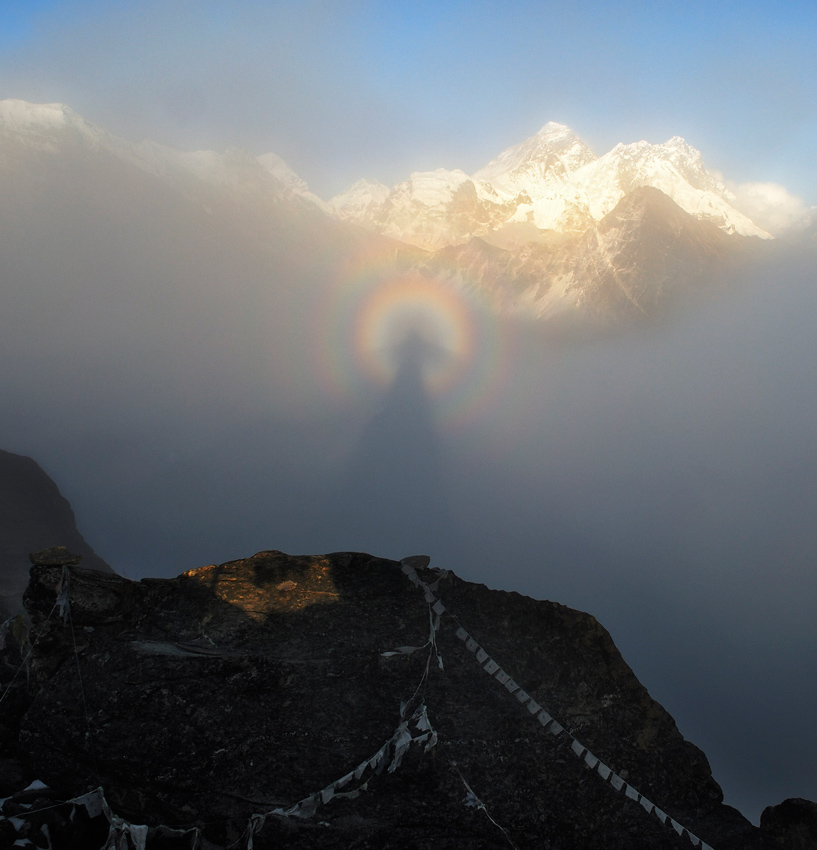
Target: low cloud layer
773 207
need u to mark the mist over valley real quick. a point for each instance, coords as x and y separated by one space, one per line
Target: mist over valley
210 362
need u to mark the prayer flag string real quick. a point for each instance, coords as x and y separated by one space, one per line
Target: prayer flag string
495 671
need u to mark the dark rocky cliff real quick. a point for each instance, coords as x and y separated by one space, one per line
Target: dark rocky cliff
33 515
261 687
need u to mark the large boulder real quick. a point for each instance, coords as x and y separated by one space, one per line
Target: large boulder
252 687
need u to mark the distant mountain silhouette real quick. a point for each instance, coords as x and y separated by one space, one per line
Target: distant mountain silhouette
33 515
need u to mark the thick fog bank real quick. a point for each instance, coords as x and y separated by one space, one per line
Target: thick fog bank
664 479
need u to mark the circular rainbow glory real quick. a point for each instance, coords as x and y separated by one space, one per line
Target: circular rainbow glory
373 313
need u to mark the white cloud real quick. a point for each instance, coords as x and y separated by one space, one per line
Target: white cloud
772 207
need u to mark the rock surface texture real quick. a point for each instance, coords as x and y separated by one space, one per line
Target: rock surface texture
248 688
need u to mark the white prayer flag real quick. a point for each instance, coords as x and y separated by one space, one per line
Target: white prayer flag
327 794
662 816
139 835
590 760
401 744
482 655
631 792
406 569
471 645
616 781
306 808
511 686
577 747
360 769
344 780
402 650
543 717
705 846
438 608
430 597
181 833
502 676
462 634
521 696
92 802
556 728
646 804
534 707
491 667
693 838
676 826
604 771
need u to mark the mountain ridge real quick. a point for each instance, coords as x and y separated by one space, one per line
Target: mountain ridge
554 181
546 194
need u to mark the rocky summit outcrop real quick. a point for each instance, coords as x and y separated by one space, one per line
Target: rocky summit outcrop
791 825
342 701
33 515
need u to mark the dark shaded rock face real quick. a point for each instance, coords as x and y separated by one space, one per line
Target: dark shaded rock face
33 515
244 688
790 826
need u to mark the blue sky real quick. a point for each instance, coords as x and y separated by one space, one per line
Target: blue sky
347 89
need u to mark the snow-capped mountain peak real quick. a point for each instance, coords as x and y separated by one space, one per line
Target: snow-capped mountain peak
674 167
536 165
551 181
281 171
21 114
51 128
360 199
274 165
42 125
